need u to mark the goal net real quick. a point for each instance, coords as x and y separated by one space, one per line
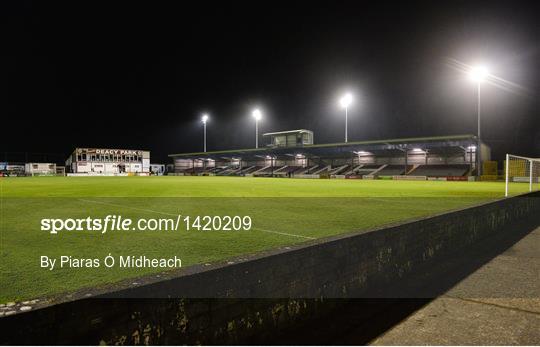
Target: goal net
521 174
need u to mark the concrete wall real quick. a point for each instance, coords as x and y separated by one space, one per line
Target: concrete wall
285 287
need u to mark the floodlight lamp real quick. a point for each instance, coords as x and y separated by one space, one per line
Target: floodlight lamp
346 100
256 114
478 74
204 118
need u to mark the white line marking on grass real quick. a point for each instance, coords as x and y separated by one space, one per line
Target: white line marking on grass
286 234
133 208
176 215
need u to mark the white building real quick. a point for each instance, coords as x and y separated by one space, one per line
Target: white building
157 169
11 169
40 169
102 161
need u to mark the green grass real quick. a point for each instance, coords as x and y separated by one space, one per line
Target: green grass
284 212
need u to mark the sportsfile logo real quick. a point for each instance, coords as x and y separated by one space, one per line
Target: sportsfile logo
109 223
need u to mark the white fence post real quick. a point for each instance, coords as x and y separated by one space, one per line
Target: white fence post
506 175
530 175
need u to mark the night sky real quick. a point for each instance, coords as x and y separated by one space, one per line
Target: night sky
139 75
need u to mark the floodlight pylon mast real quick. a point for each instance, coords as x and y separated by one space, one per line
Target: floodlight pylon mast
346 122
479 146
256 133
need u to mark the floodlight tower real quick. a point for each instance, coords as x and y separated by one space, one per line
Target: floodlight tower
478 74
204 119
257 115
345 101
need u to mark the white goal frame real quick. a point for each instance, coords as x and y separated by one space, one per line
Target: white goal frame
534 163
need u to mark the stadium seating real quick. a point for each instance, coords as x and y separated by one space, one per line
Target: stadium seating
393 170
249 170
441 170
340 170
436 170
290 169
218 169
231 170
269 170
352 170
307 170
367 169
287 171
322 170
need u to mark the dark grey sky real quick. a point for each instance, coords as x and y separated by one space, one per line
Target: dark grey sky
138 75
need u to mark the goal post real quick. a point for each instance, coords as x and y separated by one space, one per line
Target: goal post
521 174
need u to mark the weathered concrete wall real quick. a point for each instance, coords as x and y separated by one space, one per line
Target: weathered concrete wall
355 265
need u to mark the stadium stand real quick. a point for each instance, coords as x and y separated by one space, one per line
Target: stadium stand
308 170
228 171
323 170
353 170
290 169
440 156
269 170
441 170
393 170
368 170
249 169
340 169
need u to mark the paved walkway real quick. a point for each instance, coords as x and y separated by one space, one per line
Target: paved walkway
499 304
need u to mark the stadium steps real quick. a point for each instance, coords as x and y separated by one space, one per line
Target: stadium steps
247 169
367 170
377 170
311 169
412 169
234 171
394 170
339 169
307 169
252 169
290 170
327 167
261 170
442 170
281 168
220 169
354 170
225 172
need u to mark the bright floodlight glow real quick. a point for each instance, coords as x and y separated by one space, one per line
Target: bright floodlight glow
417 150
346 100
478 73
204 118
256 114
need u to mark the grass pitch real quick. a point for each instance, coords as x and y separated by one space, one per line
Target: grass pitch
283 211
